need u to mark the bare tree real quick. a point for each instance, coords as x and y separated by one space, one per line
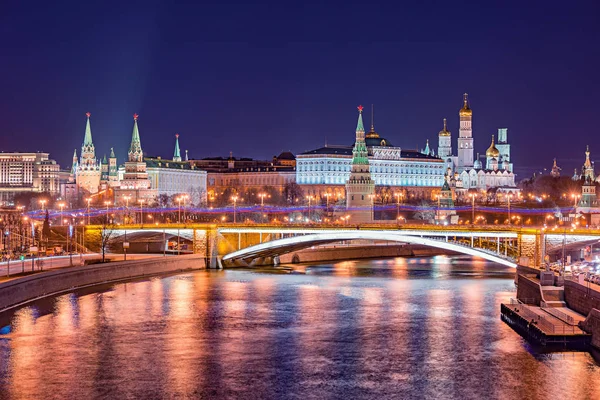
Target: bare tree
106 236
425 212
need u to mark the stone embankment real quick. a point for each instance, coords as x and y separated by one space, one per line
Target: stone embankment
18 291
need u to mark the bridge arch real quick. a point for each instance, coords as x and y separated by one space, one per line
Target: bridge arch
286 245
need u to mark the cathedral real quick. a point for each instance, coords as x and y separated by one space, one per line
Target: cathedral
467 172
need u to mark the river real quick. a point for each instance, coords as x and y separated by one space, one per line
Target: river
393 328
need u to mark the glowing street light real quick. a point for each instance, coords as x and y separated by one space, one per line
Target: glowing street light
473 196
234 198
508 198
262 205
141 201
107 203
62 206
88 209
43 203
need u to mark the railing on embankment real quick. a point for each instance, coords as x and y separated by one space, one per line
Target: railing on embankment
18 291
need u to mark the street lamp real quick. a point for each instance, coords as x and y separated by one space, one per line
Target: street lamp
184 197
234 198
179 209
472 196
126 197
508 198
262 205
398 196
88 209
141 201
62 206
372 197
575 197
106 203
309 197
43 203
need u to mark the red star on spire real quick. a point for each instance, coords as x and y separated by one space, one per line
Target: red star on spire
135 116
88 114
177 135
360 108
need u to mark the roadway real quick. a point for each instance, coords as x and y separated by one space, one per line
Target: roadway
55 262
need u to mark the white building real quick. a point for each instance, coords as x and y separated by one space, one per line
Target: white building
27 172
170 177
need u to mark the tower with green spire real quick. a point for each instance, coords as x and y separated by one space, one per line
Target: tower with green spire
88 170
360 188
113 170
177 153
135 183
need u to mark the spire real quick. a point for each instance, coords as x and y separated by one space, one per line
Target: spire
186 156
87 139
427 151
135 149
465 111
372 133
112 153
177 153
444 131
360 129
104 160
587 164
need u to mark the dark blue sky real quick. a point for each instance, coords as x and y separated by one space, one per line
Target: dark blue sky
260 78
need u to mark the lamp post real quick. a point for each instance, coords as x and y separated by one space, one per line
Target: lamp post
106 203
141 201
472 196
127 197
179 210
372 197
62 206
43 203
398 196
262 205
184 197
88 210
508 198
234 198
309 197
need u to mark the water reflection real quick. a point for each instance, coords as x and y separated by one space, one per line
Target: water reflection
402 328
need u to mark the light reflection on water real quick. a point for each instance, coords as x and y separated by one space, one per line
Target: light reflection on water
402 328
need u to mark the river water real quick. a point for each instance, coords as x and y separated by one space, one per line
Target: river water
394 328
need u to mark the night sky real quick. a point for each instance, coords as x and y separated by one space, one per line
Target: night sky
257 79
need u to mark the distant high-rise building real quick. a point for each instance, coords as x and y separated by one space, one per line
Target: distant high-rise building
27 172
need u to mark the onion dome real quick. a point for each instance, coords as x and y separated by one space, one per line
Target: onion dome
492 151
445 131
465 111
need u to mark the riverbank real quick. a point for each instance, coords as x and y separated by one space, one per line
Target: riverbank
22 290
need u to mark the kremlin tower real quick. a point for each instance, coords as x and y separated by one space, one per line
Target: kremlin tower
360 188
88 170
135 183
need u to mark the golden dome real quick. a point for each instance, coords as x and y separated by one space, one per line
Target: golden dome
372 133
492 151
444 132
465 111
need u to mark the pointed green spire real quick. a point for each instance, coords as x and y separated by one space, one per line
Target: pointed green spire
104 161
359 152
135 149
87 140
112 153
359 125
427 151
177 153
